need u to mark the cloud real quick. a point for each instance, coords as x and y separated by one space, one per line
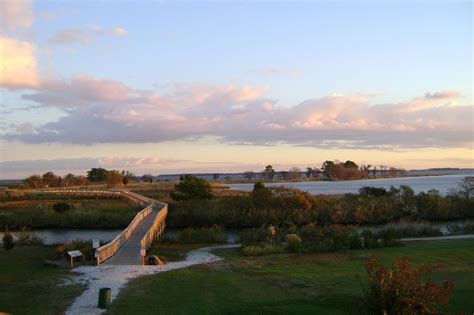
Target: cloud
271 72
118 31
84 36
15 169
72 36
16 14
442 95
108 111
18 66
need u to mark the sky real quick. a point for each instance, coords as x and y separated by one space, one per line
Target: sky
169 87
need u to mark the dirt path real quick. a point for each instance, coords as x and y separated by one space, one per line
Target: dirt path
115 277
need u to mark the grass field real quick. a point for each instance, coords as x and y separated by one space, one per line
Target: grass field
29 287
84 213
330 283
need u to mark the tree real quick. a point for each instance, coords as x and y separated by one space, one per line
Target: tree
328 168
73 180
8 242
215 176
269 172
34 181
129 175
190 188
114 178
403 290
97 174
147 178
51 180
466 187
309 172
125 181
350 164
294 172
249 175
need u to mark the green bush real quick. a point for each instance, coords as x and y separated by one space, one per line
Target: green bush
369 240
203 235
8 242
293 243
192 187
261 250
252 236
468 228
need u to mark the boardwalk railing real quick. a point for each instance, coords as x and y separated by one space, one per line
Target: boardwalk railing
156 230
108 250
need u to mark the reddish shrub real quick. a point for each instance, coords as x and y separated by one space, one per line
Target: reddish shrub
402 290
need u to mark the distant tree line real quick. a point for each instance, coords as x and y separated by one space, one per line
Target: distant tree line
331 170
94 176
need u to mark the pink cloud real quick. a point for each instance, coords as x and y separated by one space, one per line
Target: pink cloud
18 64
85 36
101 110
16 14
118 31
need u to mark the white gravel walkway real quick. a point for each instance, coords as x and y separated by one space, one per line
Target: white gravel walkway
115 277
438 238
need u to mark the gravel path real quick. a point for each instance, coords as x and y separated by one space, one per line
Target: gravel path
115 277
438 238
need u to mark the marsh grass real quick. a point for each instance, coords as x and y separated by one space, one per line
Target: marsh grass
83 214
261 250
209 235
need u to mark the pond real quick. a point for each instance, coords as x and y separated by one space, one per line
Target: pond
443 183
53 236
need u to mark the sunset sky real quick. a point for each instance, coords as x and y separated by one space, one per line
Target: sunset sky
168 87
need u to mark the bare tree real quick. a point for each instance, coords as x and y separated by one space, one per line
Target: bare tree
249 175
294 172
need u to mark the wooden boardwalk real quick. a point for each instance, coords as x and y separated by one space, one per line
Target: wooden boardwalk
129 252
147 226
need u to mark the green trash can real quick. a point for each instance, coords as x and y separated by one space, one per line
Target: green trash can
105 295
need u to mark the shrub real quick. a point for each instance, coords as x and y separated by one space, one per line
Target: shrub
293 243
261 250
8 242
61 207
468 228
28 238
369 240
252 236
190 188
403 290
327 238
203 235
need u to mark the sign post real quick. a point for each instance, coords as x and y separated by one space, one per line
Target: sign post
143 254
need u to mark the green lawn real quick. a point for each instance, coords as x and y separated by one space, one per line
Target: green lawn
29 287
288 283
